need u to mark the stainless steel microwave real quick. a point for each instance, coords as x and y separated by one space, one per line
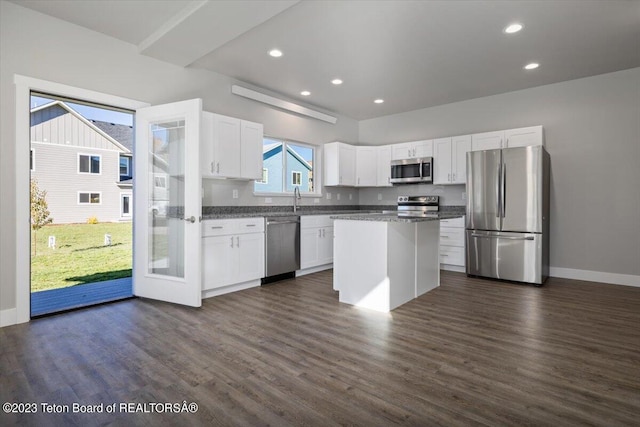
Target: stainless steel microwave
409 171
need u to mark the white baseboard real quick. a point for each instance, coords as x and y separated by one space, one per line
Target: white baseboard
313 269
8 317
231 288
595 276
449 267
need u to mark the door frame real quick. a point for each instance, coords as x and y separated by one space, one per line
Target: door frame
24 86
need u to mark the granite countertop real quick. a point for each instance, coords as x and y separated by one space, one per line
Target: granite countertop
275 214
393 217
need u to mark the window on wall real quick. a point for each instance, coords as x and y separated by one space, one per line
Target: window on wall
89 163
125 166
286 165
89 198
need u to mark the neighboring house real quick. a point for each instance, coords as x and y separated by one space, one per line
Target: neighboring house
298 171
85 166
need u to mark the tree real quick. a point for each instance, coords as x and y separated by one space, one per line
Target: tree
39 210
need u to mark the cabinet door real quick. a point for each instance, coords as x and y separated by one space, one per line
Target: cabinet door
217 261
325 246
309 245
442 161
487 141
460 146
249 250
366 163
523 137
423 148
251 150
207 152
347 160
227 146
384 166
402 151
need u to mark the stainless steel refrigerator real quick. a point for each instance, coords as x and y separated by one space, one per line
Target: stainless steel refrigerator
507 229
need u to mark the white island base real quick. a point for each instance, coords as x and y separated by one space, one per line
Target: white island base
381 264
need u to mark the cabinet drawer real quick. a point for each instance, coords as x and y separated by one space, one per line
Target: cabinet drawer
452 255
452 236
454 222
221 227
313 221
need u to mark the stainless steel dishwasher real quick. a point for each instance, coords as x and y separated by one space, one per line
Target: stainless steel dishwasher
282 247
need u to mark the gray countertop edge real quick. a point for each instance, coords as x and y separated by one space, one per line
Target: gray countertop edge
380 217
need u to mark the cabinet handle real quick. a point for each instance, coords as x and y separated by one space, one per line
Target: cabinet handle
238 241
232 241
211 167
323 232
250 225
444 255
454 177
409 152
218 167
217 227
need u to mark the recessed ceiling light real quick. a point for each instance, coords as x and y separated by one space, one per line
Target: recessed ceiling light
379 101
513 28
275 53
531 66
336 81
305 93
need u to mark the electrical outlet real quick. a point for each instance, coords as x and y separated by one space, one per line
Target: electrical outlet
338 196
379 196
328 196
316 200
464 195
350 196
235 193
268 200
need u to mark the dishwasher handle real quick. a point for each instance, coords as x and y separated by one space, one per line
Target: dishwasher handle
270 222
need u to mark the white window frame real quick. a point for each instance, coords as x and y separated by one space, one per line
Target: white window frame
122 196
161 176
99 193
99 156
129 159
32 160
316 169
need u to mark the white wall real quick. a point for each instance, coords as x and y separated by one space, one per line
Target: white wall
592 131
35 45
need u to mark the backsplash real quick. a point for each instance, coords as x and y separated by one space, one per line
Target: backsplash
450 195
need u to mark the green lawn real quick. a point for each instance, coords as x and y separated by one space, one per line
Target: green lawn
80 256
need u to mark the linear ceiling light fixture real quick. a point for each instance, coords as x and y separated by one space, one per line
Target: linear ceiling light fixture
282 104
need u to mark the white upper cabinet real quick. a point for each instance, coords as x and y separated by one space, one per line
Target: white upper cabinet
383 176
366 166
339 164
442 161
487 141
231 148
524 137
450 159
410 150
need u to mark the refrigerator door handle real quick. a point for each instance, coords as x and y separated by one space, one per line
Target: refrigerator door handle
503 196
498 186
493 236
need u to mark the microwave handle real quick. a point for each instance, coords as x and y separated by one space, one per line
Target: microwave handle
421 169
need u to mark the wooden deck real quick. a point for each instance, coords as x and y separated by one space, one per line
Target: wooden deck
56 300
471 352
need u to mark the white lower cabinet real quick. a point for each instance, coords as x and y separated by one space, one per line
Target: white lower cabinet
452 252
316 241
232 252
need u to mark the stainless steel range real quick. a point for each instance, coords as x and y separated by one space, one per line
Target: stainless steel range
418 206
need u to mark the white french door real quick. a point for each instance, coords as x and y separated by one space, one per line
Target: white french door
167 246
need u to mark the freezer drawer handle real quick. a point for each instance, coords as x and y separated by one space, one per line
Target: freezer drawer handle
503 237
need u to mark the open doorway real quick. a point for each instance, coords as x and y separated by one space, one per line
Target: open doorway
81 167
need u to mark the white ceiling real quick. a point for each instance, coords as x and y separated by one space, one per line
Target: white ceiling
413 54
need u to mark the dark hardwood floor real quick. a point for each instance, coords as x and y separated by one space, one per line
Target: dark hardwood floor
472 352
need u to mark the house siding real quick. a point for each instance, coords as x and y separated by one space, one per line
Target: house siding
57 138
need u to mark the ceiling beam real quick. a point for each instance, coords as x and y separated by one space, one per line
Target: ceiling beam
203 26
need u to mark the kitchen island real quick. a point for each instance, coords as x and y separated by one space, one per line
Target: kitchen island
382 261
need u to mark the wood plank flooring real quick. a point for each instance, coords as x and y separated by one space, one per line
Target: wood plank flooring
472 352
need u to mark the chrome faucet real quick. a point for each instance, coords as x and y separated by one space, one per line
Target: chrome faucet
296 197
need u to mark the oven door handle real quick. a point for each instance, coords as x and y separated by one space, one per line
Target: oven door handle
489 236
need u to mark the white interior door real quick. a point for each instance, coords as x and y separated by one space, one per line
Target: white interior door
166 263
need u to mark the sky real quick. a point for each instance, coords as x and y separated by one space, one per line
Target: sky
92 113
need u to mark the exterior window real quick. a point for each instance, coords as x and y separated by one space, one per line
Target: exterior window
296 178
89 198
125 205
88 163
286 165
125 166
160 182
